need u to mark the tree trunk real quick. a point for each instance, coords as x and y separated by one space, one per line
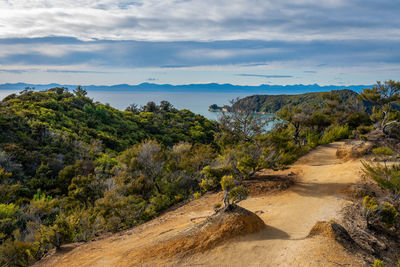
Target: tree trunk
226 199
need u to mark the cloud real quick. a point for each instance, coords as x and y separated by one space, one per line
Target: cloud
254 64
108 55
264 76
14 71
76 71
206 20
61 37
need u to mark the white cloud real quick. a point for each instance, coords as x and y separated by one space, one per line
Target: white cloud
46 49
201 20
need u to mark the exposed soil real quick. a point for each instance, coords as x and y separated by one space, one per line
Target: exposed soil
289 215
224 225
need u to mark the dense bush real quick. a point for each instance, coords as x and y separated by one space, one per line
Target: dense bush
335 133
363 129
383 151
387 177
379 263
71 168
379 212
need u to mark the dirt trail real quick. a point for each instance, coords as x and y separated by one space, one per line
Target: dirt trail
289 216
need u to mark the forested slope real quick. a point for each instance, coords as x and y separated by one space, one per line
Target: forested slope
71 168
42 132
274 103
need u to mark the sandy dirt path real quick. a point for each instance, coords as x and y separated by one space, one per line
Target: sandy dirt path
289 216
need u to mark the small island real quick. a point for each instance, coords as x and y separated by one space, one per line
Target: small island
216 108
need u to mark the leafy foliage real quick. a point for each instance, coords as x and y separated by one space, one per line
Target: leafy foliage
335 133
381 212
384 96
383 151
71 168
379 263
387 177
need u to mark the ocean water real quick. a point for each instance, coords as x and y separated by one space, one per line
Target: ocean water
197 102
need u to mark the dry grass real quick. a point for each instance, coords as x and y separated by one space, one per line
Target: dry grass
354 150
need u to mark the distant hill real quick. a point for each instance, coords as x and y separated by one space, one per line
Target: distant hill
208 87
273 103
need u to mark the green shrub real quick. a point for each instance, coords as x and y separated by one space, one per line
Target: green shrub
212 177
10 219
227 183
383 151
387 177
313 139
335 133
379 263
238 193
197 195
160 202
363 129
17 253
383 212
63 231
206 184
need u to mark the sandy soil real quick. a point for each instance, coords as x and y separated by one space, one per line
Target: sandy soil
289 216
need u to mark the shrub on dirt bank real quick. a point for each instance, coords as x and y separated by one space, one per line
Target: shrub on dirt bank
377 212
387 177
336 133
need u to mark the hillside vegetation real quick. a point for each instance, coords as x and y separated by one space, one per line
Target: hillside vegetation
72 169
274 103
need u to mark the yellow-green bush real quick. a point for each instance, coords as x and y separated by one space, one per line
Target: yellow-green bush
363 129
238 193
379 263
383 212
335 133
227 183
387 177
383 151
197 195
17 253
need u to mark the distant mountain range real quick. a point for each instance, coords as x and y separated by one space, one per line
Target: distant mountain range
209 87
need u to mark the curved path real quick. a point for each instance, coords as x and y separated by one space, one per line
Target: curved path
318 195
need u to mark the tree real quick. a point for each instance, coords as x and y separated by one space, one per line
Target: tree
150 107
232 193
241 125
144 160
383 96
134 108
341 110
298 118
80 92
85 189
166 106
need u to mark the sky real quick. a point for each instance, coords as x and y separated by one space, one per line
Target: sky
244 42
